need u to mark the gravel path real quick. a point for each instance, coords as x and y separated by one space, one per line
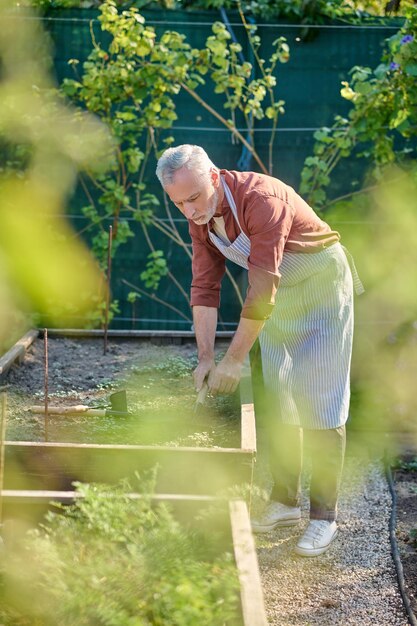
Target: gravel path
352 584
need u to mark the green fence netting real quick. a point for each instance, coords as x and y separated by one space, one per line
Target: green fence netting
310 85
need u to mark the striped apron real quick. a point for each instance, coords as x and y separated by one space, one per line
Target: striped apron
306 344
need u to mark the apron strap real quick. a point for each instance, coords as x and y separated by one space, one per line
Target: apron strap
231 201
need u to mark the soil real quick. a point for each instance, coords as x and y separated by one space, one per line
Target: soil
406 527
160 395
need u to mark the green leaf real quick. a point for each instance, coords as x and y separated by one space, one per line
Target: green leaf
321 135
236 47
381 71
360 73
363 88
217 47
411 69
197 78
132 296
399 118
312 160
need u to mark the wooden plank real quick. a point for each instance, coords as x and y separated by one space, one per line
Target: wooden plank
252 600
16 352
22 495
55 466
247 410
116 446
132 334
31 505
248 428
245 386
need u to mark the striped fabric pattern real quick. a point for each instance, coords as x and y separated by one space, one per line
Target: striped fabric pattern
306 344
239 250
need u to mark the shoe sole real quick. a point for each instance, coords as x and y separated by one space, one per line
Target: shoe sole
280 524
316 551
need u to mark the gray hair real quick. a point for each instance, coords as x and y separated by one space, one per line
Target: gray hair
191 157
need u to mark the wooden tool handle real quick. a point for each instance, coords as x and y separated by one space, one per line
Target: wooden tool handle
78 409
201 396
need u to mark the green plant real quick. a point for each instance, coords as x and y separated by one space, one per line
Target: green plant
131 85
382 124
311 11
156 268
233 78
44 5
112 560
409 465
175 366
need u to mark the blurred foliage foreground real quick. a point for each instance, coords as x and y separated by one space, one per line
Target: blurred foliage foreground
385 348
112 560
43 267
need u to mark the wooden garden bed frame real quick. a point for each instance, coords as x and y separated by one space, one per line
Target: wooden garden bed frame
187 470
31 505
16 354
37 474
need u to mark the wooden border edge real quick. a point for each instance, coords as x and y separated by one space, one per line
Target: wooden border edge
17 351
252 598
131 334
247 410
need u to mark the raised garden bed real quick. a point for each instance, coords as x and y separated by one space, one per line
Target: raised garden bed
38 472
228 522
197 454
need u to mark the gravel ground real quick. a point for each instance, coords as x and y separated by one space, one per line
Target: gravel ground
354 583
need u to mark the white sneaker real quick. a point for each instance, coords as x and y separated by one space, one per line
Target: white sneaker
317 538
276 514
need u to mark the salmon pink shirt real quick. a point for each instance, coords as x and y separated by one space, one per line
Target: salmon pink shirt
276 220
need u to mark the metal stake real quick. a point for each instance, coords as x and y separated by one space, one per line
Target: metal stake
46 380
106 319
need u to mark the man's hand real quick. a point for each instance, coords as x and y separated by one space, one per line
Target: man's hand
226 376
202 371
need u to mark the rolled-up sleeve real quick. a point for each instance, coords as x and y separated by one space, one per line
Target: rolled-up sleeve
208 270
268 222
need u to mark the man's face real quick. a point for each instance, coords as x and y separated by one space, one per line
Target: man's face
197 198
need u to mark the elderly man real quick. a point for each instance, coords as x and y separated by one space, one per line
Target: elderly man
299 302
